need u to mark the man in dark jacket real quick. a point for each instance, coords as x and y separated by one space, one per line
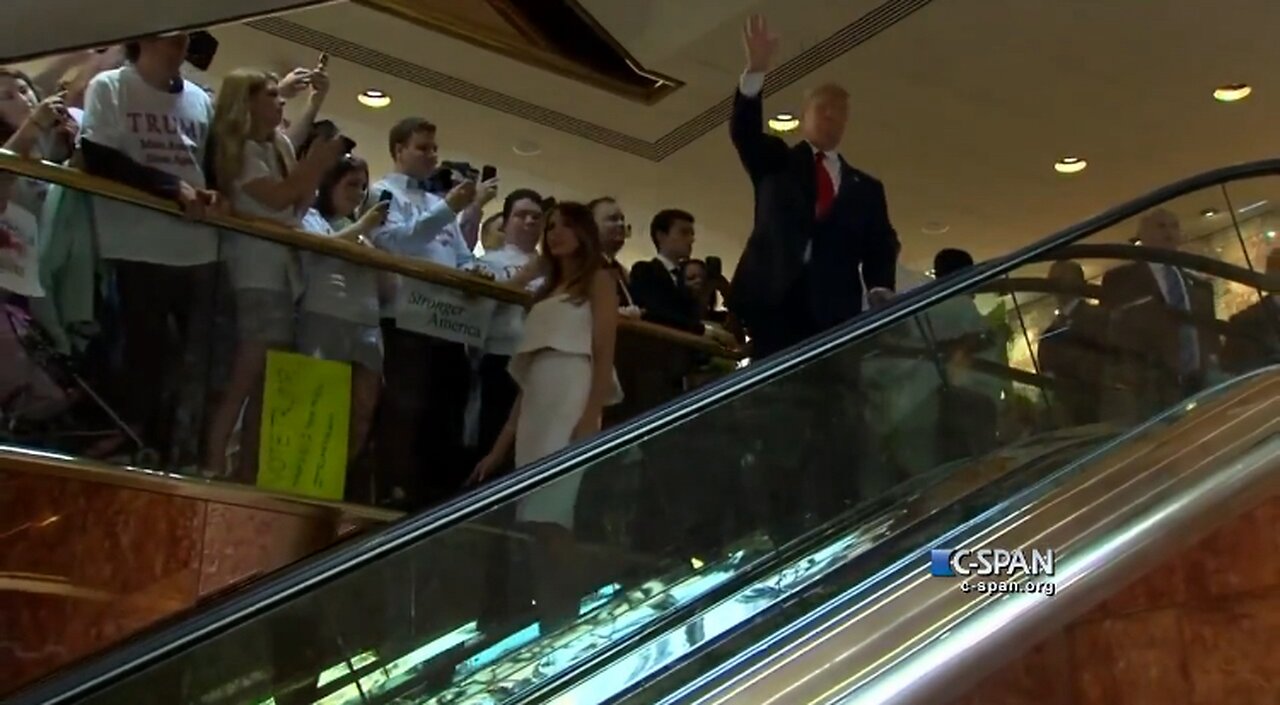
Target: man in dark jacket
822 227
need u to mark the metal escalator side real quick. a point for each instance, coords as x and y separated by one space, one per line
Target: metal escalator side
432 609
904 635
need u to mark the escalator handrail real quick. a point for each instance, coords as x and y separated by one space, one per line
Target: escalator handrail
902 637
278 588
420 270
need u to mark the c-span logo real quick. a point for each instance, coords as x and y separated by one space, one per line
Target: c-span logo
1013 570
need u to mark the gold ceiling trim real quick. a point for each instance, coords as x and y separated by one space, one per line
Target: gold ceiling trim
531 48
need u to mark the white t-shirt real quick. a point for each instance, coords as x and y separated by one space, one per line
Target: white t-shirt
255 263
162 130
336 287
507 327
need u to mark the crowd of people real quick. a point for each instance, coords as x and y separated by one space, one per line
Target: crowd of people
822 249
162 288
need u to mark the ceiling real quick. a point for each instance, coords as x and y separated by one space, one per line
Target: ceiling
84 23
959 106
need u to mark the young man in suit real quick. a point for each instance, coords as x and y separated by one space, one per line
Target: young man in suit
1156 310
822 227
658 284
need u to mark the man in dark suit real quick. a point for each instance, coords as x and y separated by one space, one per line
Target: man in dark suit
1163 353
818 220
1253 335
658 284
1071 348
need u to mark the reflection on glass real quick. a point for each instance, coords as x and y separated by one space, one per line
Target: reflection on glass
961 404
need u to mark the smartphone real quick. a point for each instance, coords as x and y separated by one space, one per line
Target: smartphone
386 197
488 172
715 268
201 49
323 62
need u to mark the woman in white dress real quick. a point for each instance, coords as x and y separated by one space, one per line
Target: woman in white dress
564 362
564 367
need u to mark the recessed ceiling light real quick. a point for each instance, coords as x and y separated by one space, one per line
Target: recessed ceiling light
1232 92
374 98
1271 234
1070 165
930 273
784 122
1209 213
527 148
934 227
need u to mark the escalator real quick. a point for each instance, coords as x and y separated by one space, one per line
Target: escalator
723 542
110 526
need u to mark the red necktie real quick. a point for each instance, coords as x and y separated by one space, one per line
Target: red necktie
826 188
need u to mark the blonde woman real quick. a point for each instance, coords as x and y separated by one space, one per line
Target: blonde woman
252 164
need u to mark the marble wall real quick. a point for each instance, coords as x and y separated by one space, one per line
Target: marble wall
1202 629
84 564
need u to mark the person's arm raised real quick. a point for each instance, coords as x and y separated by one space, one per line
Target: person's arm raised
758 151
299 184
318 81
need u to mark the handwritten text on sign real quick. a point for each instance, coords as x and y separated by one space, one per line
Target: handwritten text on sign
18 272
443 313
306 410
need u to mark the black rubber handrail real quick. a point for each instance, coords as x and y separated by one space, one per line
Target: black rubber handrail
275 590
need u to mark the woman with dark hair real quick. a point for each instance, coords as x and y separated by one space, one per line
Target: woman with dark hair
564 367
564 362
339 312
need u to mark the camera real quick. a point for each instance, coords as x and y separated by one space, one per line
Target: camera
449 174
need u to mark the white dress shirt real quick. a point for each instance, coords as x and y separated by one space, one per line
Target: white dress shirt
1168 276
420 224
673 269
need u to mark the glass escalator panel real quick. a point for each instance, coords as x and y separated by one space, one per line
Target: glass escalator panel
168 389
969 390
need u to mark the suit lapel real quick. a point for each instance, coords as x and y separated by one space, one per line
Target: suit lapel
802 153
848 181
657 263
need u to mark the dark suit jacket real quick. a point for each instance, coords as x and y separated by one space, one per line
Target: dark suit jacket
1072 350
664 301
855 234
1253 339
1143 324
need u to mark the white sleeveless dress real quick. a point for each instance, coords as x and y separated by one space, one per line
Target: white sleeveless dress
552 365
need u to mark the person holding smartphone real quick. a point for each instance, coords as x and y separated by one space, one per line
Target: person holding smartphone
254 166
338 317
421 417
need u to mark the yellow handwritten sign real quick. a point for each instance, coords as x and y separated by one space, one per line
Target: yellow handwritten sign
306 410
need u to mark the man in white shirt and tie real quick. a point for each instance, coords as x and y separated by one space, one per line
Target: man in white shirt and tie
658 284
1155 307
420 423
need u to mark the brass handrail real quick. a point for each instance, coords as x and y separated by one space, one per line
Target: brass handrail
357 254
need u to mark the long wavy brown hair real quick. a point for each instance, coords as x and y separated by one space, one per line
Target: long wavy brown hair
575 280
232 127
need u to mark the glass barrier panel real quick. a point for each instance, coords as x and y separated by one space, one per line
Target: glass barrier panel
709 506
257 378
